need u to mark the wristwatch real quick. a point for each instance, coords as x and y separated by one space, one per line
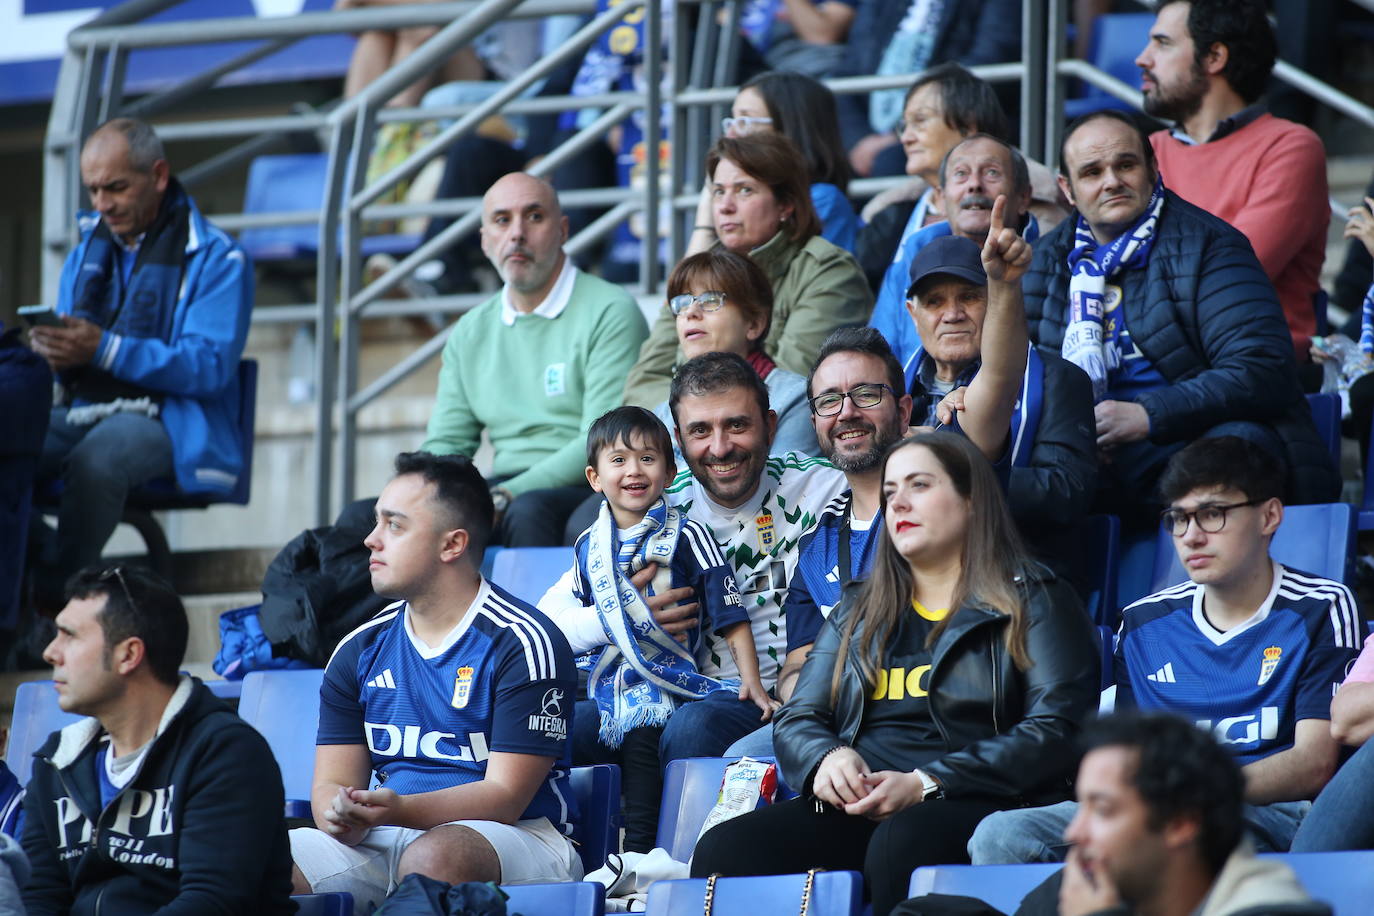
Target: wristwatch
500 499
930 787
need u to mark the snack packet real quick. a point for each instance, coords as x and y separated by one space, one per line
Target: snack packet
746 785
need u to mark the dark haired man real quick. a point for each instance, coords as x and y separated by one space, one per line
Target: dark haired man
162 800
458 698
1205 67
1169 361
1248 649
1158 830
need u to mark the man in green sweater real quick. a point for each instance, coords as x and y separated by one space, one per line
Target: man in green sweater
534 365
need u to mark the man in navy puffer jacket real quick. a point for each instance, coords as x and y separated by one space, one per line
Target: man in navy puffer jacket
1168 310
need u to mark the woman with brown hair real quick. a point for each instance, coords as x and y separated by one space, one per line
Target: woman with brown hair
761 207
723 303
949 685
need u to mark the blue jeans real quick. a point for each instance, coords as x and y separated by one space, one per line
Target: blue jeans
758 743
706 727
1037 834
98 465
1342 817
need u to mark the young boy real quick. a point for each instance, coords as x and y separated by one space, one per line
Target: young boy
637 673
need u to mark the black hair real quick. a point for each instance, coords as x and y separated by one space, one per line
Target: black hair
970 104
711 373
141 604
1020 172
1179 770
1131 120
461 492
868 341
623 425
1229 462
1243 27
804 110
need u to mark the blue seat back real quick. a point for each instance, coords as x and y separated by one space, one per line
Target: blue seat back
1316 539
528 572
1344 880
285 707
834 893
690 788
323 904
1117 40
1100 541
282 184
572 898
597 790
1326 416
1002 886
36 716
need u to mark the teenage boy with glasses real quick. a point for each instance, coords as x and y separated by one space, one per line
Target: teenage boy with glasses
1247 648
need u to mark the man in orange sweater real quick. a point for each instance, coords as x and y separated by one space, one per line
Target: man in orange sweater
1205 68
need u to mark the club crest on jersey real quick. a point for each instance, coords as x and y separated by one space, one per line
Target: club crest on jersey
1270 662
764 525
462 687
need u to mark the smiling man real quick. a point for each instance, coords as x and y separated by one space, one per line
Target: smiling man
1206 67
534 365
1247 648
457 700
162 800
1169 361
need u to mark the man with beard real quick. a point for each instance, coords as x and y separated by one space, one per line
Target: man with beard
534 365
1205 68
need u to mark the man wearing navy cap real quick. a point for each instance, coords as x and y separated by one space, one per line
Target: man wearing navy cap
1048 454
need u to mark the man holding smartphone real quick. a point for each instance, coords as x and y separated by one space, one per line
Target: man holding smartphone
153 305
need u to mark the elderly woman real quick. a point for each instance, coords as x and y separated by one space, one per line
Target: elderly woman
761 206
949 685
722 302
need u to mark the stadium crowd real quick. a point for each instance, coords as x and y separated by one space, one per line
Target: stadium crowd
830 507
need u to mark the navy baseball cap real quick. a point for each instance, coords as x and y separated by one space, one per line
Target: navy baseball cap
949 254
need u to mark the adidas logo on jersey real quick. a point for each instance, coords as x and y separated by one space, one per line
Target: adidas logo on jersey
383 680
1164 675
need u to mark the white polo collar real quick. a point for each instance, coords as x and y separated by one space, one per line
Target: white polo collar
554 303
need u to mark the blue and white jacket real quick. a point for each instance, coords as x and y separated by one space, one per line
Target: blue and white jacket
197 372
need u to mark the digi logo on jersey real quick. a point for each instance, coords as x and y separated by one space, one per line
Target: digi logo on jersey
387 740
550 719
1251 729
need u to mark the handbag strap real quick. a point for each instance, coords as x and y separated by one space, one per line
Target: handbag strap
805 901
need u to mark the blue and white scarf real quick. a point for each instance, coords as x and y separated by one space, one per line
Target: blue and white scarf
637 678
1367 322
1090 267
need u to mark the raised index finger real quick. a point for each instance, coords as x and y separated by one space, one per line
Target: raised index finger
999 212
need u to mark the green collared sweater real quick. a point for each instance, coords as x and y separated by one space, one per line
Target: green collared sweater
536 386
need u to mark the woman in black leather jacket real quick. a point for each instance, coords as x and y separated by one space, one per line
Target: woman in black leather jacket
949 685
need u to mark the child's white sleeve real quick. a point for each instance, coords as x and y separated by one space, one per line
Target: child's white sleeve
581 625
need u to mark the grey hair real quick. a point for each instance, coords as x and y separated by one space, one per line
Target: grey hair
145 148
1020 172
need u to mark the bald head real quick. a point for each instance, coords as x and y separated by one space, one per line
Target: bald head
523 231
125 172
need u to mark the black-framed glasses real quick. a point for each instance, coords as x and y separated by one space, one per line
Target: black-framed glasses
709 301
117 572
1211 517
863 396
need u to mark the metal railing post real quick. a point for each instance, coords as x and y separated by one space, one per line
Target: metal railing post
1033 79
1057 17
653 145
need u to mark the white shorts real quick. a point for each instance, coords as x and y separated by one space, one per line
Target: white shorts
530 852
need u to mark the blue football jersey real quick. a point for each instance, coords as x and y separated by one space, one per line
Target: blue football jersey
814 588
502 681
1251 684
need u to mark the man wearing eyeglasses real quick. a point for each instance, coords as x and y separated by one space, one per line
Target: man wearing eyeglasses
1247 648
1030 412
163 799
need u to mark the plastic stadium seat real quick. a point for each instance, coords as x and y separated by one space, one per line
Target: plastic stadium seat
1326 416
597 790
690 788
1117 40
324 904
1100 542
285 707
1345 880
574 898
834 893
1001 886
1106 638
1315 539
36 715
1366 522
528 572
288 183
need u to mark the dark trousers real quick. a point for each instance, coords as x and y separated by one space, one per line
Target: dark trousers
641 780
790 837
537 518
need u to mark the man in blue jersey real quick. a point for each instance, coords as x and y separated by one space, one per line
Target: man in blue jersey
458 698
1247 649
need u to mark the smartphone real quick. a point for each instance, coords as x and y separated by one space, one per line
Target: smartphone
37 315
